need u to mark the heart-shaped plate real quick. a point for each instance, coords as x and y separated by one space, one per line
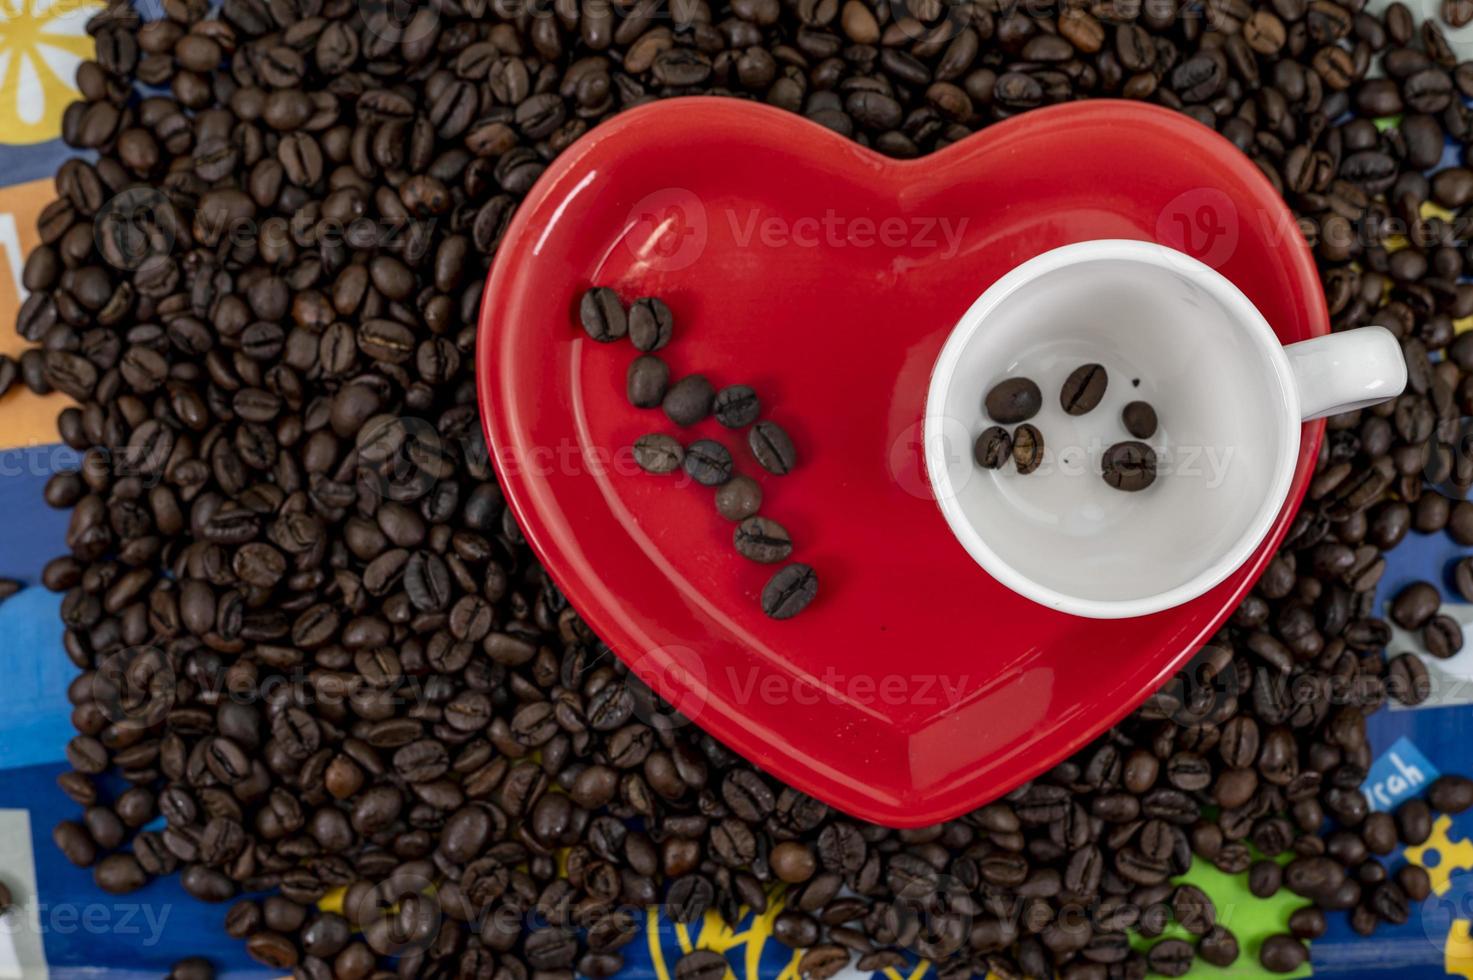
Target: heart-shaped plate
915 687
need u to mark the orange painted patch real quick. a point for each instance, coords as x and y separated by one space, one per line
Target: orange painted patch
25 419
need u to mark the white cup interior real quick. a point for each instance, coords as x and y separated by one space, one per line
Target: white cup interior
1169 331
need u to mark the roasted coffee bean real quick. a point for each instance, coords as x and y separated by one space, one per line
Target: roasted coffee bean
789 591
793 862
1083 389
994 447
736 406
1170 957
651 324
738 498
1414 822
762 539
689 400
118 874
1407 679
192 968
602 315
772 448
647 382
1282 953
1307 923
1139 417
703 964
1130 466
707 462
1450 793
1442 636
658 453
1013 400
1415 605
1463 578
1027 448
1219 947
1264 878
1414 882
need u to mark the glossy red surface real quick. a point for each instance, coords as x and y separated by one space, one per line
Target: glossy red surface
915 687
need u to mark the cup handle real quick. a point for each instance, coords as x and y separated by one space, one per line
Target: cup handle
1341 372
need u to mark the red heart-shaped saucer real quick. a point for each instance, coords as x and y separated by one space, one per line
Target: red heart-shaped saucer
827 277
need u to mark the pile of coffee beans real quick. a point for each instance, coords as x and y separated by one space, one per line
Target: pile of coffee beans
649 325
1127 465
311 637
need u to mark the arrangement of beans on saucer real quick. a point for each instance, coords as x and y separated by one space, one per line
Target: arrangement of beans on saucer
1128 465
649 325
312 639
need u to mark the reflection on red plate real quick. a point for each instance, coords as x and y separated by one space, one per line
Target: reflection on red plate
915 687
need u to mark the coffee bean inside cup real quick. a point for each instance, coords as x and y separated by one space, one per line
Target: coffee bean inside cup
1027 448
1083 389
993 448
1139 419
1129 466
1013 400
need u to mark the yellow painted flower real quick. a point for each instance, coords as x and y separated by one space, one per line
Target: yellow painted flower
41 44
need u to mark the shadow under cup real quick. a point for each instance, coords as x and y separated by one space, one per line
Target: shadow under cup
1170 333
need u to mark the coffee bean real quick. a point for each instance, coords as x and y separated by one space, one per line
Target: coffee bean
1407 679
1463 578
1379 833
1450 793
762 540
1027 448
789 591
994 447
689 400
1139 419
703 964
1414 822
1264 878
738 498
795 930
192 968
1414 882
1415 605
651 324
647 382
772 448
658 453
118 874
793 862
736 406
1171 957
1219 947
707 462
602 315
822 962
1013 400
1307 923
1083 389
1282 953
1442 636
1130 466
75 844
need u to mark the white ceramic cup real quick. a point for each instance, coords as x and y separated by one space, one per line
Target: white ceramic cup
1229 399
